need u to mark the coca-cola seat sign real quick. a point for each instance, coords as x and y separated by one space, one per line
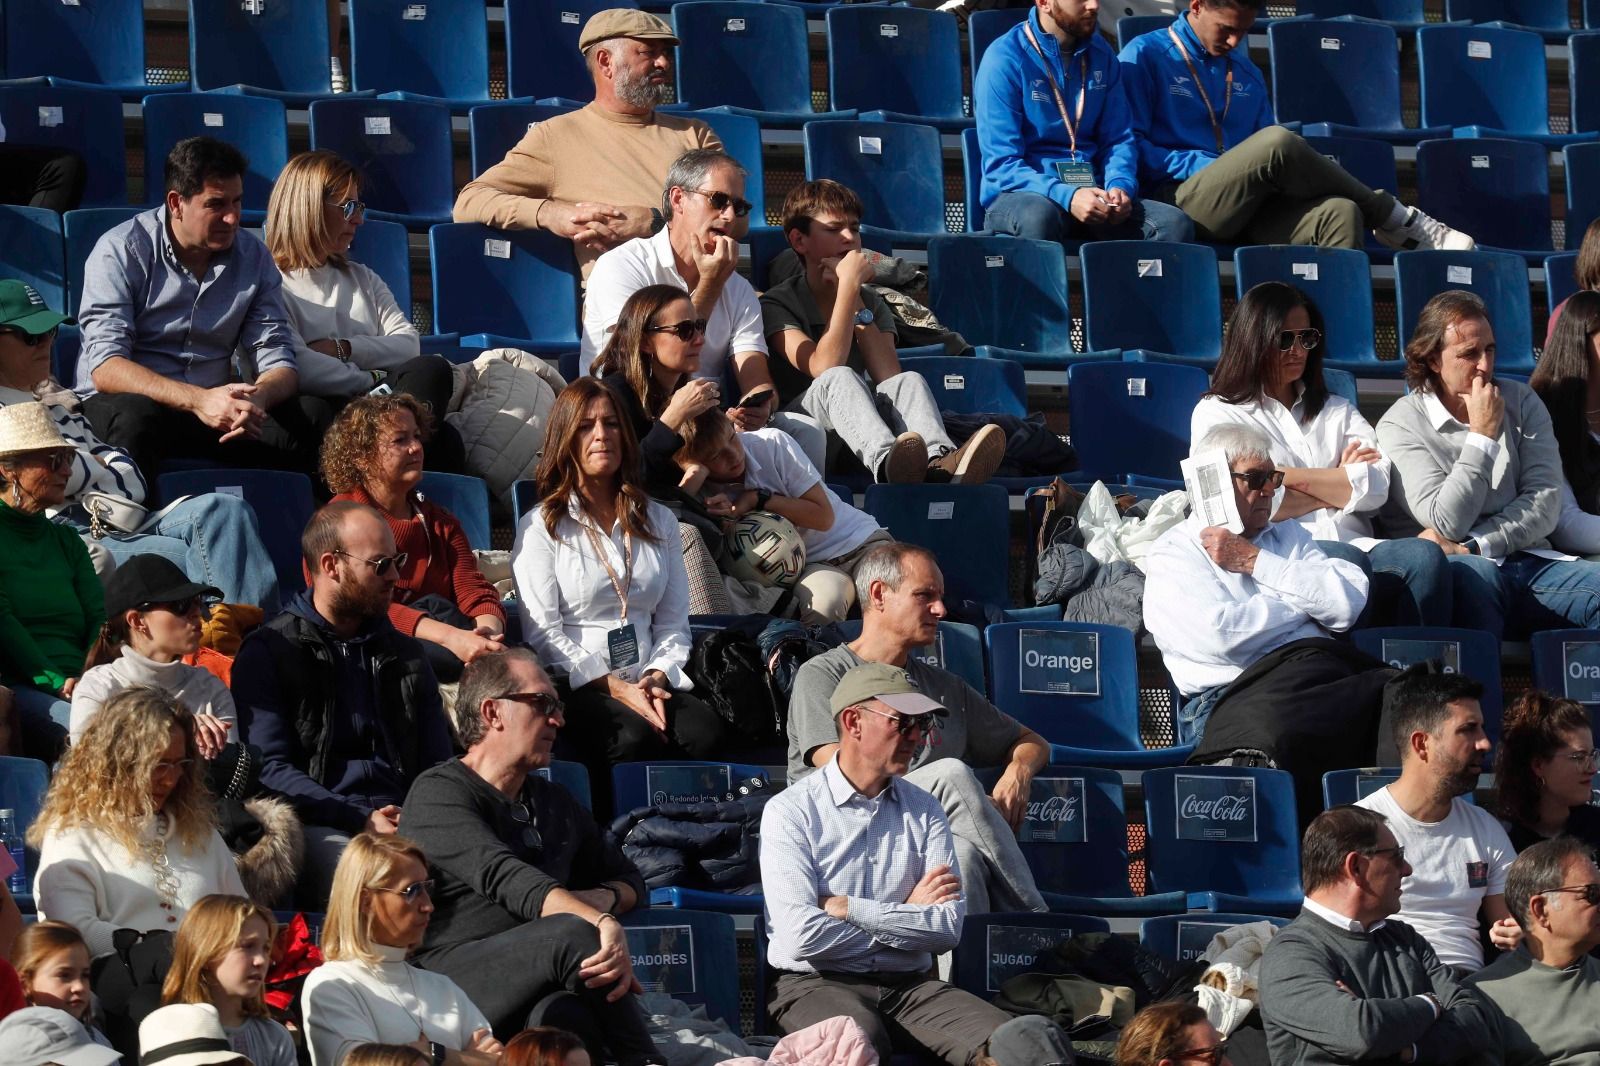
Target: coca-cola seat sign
1055 812
1216 807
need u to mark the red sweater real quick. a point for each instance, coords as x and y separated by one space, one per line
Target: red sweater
439 562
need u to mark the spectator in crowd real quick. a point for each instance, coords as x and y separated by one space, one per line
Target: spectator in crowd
1477 470
902 600
53 603
528 888
603 592
1062 164
53 962
1217 602
350 335
366 991
1334 476
387 1055
169 297
127 836
1215 151
545 1046
373 455
189 1034
1459 853
220 958
210 534
1170 1033
592 176
44 1036
1568 382
863 888
1548 989
833 345
1544 771
153 619
1585 271
1345 981
36 175
343 706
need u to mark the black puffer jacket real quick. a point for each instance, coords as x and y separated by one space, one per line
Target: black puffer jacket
710 846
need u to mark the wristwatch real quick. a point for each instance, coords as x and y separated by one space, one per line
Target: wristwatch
762 496
437 1051
864 317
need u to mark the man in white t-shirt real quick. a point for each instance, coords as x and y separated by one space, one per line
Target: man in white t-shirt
1459 854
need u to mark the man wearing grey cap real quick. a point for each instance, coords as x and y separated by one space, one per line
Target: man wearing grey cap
862 887
594 176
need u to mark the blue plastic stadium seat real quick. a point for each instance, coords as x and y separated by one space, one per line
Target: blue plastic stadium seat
972 175
1185 937
401 147
1133 416
98 45
1341 787
1371 162
464 496
1155 300
1566 662
998 946
1077 685
524 494
34 252
256 125
691 955
958 648
1560 277
1476 78
986 27
1400 14
1496 189
901 64
83 228
752 58
84 120
277 49
281 500
897 169
1226 835
384 248
542 57
437 51
1547 18
64 355
972 386
1500 279
1471 652
967 527
1341 383
1342 76
572 776
497 128
1583 82
1131 26
516 288
22 787
1339 281
1583 190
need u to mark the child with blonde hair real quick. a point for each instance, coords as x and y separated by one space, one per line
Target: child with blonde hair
52 962
221 956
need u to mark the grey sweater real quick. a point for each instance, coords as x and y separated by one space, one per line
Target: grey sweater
1508 504
1549 1015
1309 1021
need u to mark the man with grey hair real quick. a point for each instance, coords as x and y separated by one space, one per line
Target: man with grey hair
1548 989
526 889
594 176
901 593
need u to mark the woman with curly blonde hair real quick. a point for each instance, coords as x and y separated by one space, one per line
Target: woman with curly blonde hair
373 455
128 837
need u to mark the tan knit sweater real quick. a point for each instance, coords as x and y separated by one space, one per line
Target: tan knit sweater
589 155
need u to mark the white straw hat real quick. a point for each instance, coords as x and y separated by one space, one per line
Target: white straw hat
28 427
185 1034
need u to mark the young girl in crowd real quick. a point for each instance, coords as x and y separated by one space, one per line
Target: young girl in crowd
53 962
544 1045
221 956
386 1055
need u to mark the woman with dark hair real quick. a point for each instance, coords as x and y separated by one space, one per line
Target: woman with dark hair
1568 381
1544 771
603 591
1586 272
1170 1033
1335 478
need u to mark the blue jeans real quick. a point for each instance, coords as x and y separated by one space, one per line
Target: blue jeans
1525 594
213 538
1409 582
1027 214
1195 711
44 718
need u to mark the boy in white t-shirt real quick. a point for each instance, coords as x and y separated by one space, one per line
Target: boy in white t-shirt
765 470
1459 853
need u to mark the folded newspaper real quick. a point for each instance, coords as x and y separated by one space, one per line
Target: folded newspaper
1209 481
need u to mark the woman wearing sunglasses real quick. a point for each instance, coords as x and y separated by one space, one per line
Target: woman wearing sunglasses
366 992
1334 476
1544 771
1175 1033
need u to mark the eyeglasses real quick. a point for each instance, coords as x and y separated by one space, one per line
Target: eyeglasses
349 208
1589 758
1213 1054
1256 480
164 767
381 565
907 724
721 201
1308 338
30 339
183 606
686 330
1590 893
56 459
412 892
1399 853
541 702
523 816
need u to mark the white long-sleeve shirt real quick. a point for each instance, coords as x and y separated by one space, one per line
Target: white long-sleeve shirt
352 304
201 691
1211 623
348 1003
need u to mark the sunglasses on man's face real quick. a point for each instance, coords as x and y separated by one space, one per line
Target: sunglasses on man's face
721 201
685 331
382 565
32 340
1590 892
1256 480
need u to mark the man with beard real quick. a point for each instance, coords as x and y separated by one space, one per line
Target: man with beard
593 176
343 707
1458 852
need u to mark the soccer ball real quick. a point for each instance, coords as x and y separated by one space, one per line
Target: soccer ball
766 549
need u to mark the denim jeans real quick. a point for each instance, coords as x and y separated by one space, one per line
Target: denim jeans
868 419
1027 214
44 718
1410 582
1525 594
1195 711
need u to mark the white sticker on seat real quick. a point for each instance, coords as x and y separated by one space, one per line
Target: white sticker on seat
941 509
570 18
496 248
415 12
1332 44
734 26
955 381
1480 162
992 261
1136 386
376 125
870 145
1479 50
1149 268
51 116
1458 275
1304 270
236 491
212 118
888 29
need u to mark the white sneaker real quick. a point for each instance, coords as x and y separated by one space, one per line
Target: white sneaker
1423 231
336 79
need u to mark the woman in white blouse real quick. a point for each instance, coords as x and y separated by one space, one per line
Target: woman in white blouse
1335 479
603 592
1568 381
366 992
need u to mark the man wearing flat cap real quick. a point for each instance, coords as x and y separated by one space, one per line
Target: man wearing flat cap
594 176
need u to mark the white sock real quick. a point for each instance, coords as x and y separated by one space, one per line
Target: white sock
1398 214
335 67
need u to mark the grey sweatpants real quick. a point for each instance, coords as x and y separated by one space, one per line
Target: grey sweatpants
994 875
868 419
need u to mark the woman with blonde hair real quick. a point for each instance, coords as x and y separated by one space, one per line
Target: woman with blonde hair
366 991
127 835
221 957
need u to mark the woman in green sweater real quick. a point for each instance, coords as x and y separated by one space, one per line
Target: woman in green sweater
51 602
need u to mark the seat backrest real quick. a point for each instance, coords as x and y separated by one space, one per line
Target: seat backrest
464 496
401 147
1071 682
83 229
1500 279
1370 162
1583 189
1010 292
524 494
100 42
1343 72
905 59
1471 652
972 173
1338 280
282 45
743 54
1185 937
1566 662
86 121
497 128
256 125
690 955
967 527
34 252
895 167
1075 832
1221 829
281 500
1131 26
1583 82
958 648
986 27
1560 277
515 283
1382 10
572 776
385 249
1542 14
1498 187
1133 416
1479 76
646 784
1341 787
972 386
1156 295
996 947
741 138
542 57
1341 383
438 48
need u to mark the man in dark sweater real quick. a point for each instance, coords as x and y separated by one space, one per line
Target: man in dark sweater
526 889
1343 982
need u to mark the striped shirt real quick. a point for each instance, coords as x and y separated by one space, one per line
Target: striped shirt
820 837
98 467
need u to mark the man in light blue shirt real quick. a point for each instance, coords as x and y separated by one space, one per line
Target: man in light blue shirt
170 298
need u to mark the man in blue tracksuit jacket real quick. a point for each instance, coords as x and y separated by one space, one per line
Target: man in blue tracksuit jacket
1202 114
1059 159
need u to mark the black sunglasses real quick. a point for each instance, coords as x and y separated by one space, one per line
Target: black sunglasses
1308 338
1590 893
183 606
721 201
541 702
908 724
349 208
1256 480
1212 1055
1399 853
30 339
685 330
381 564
